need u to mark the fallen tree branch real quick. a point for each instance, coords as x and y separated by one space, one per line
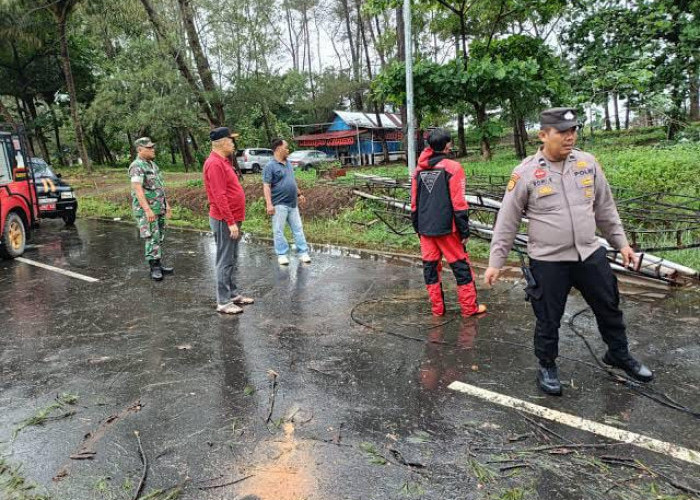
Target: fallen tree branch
654 473
229 483
144 460
545 428
273 391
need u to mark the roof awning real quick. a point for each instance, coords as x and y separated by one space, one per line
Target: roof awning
335 138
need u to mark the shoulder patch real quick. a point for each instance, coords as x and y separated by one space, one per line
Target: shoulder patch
513 181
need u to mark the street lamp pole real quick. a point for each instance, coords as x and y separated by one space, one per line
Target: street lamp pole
410 128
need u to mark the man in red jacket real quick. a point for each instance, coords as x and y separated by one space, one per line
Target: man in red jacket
226 214
440 217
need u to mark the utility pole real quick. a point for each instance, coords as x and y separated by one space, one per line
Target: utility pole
410 128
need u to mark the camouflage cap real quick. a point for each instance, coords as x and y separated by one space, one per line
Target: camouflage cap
559 118
144 142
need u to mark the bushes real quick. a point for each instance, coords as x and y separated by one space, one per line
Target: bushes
673 169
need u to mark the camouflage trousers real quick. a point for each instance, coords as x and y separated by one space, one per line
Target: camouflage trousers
153 233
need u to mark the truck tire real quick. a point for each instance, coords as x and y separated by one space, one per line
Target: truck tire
14 237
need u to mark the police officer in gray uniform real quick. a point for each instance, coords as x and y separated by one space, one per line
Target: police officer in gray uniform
564 194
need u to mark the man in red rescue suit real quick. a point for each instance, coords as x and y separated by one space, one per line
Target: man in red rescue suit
440 216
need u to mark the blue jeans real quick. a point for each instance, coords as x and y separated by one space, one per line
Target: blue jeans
283 215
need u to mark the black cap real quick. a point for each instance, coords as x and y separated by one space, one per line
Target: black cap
220 133
559 118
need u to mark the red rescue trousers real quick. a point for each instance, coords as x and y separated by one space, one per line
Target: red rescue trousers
432 249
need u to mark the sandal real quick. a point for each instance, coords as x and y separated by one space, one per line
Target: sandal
242 301
229 308
480 309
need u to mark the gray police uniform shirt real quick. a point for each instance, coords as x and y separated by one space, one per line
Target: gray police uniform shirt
283 185
564 207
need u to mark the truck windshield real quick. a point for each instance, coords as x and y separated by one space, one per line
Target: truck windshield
41 169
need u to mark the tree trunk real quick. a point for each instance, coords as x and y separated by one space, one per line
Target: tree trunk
187 159
694 114
94 146
105 148
292 36
627 114
195 146
353 54
37 131
518 139
461 136
266 123
57 137
607 113
181 63
481 119
61 18
23 118
380 51
307 50
201 61
377 114
616 107
173 146
132 149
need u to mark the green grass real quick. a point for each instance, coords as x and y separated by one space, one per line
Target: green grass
13 486
375 458
43 415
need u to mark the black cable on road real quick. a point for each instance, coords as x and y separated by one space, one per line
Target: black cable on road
636 386
656 396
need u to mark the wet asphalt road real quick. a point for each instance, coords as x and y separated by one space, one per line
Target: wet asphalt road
156 358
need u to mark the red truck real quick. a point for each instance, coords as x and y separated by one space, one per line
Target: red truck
18 196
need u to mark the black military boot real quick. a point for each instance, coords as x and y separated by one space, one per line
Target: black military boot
631 366
548 380
156 272
165 269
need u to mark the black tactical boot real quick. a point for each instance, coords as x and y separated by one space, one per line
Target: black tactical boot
548 380
631 366
156 272
165 269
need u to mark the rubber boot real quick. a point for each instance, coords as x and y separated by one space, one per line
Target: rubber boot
156 272
163 268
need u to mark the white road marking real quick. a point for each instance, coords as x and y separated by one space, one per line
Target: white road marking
670 449
57 270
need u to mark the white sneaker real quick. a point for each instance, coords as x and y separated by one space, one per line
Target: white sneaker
282 260
305 258
229 308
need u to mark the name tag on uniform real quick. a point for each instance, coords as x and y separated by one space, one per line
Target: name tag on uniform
545 191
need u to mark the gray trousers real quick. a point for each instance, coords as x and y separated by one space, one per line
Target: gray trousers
226 255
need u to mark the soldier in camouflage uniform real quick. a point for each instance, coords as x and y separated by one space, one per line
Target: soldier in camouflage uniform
149 204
